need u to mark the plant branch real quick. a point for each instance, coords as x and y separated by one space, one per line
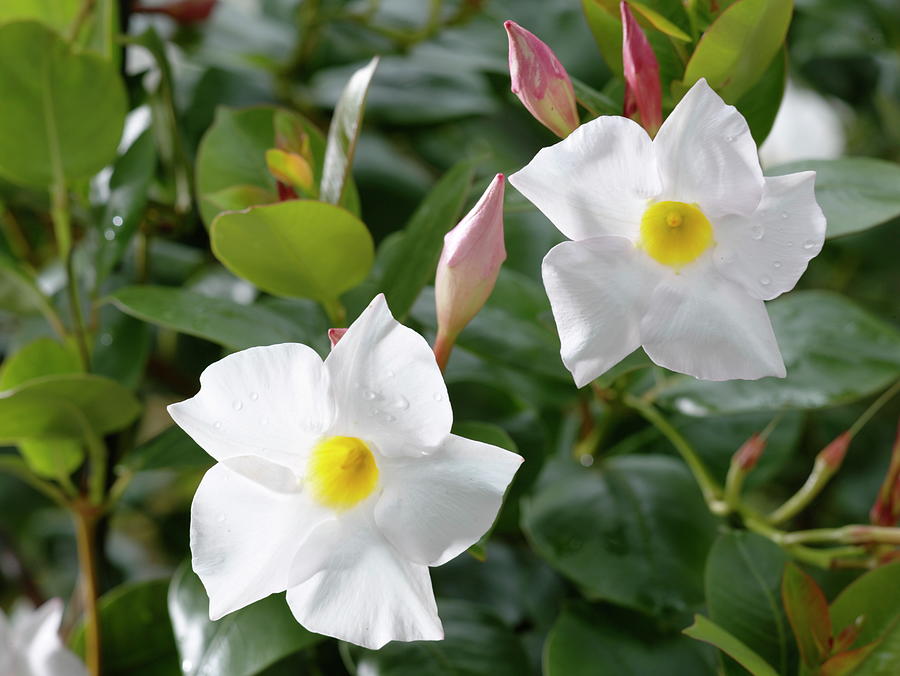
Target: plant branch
85 535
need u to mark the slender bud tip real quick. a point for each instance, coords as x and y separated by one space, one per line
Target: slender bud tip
833 454
643 91
749 453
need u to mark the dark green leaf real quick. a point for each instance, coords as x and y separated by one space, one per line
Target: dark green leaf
705 630
122 348
761 103
631 530
874 597
172 448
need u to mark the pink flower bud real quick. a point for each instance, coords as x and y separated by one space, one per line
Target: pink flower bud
540 81
833 454
643 92
334 335
749 453
468 267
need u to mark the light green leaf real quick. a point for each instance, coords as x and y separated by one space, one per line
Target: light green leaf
42 357
835 353
239 197
743 578
704 629
659 22
216 319
409 260
856 193
19 292
610 528
52 457
596 103
62 112
736 49
57 14
298 248
884 658
242 643
343 134
874 597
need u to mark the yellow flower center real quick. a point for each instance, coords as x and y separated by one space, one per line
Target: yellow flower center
342 472
675 233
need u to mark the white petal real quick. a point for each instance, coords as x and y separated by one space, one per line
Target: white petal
364 592
244 535
273 402
598 290
44 652
767 252
387 385
435 507
704 325
707 156
596 181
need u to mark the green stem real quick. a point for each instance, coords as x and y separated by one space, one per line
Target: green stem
875 406
815 482
97 459
711 492
85 535
84 12
337 313
852 534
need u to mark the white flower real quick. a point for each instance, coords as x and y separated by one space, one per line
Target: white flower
30 644
338 481
676 242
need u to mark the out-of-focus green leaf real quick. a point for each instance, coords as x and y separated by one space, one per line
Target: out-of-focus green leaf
298 248
408 261
884 658
343 134
47 431
216 319
743 577
52 457
760 104
597 103
172 448
807 611
856 193
486 432
704 629
239 197
874 597
42 357
122 348
19 292
62 112
736 49
588 641
242 643
611 528
136 632
475 642
57 14
835 352
658 21
607 30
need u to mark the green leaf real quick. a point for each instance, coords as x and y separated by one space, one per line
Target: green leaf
298 248
240 644
485 432
232 154
172 448
239 197
607 30
704 629
835 353
122 348
408 262
807 611
19 292
743 577
135 630
62 112
597 103
633 531
48 432
884 658
475 642
856 193
659 22
343 134
761 103
736 49
42 357
588 641
56 14
215 319
52 457
874 597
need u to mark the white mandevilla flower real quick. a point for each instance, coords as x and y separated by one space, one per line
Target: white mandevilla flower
30 643
676 242
338 481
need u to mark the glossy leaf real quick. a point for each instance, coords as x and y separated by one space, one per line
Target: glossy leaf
608 529
221 321
743 578
761 102
42 357
242 643
835 352
408 261
588 641
704 629
298 248
874 597
475 642
856 193
46 132
122 349
136 632
807 611
738 47
343 134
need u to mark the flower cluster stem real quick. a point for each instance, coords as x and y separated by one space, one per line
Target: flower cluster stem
85 535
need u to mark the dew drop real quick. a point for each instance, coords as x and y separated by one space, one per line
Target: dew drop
729 138
375 412
264 421
220 518
784 215
776 264
389 418
809 244
389 373
106 339
110 235
765 281
187 666
437 396
586 460
369 395
237 405
789 244
218 424
756 232
402 403
117 221
254 396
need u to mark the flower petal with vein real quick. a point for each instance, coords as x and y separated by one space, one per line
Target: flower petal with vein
338 481
30 643
675 242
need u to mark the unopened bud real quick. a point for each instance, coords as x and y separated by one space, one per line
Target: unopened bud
334 335
540 81
643 92
749 453
833 454
184 11
469 266
290 169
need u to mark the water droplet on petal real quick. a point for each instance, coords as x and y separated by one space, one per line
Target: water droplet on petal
390 374
389 418
187 666
756 232
218 424
809 244
765 281
220 518
375 412
254 396
789 244
117 221
237 405
776 264
402 403
369 395
729 138
110 235
437 396
784 215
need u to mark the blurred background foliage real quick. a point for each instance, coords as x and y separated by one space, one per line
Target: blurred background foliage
601 554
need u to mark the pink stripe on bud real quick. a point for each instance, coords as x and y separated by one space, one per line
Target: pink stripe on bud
643 92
